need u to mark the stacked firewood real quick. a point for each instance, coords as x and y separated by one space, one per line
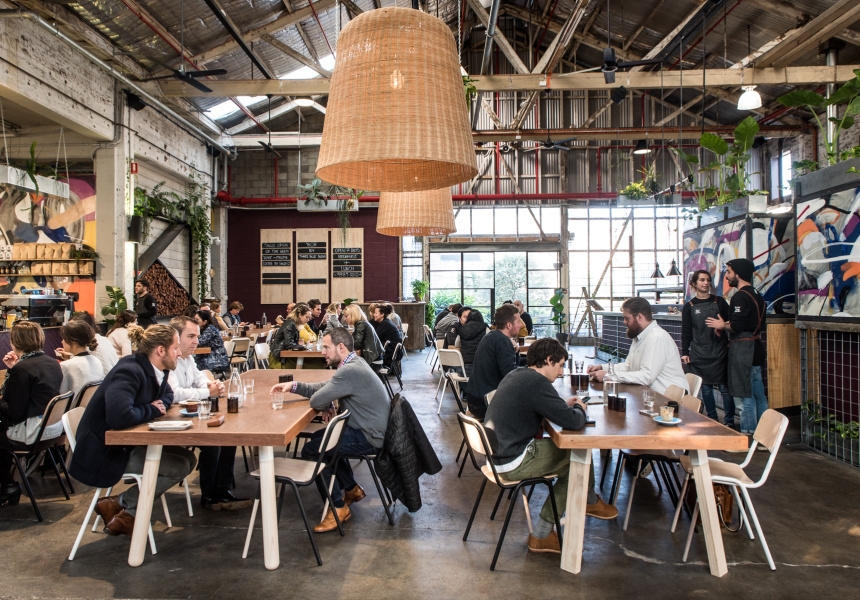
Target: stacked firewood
172 298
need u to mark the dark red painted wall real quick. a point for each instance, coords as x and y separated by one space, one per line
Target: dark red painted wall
243 258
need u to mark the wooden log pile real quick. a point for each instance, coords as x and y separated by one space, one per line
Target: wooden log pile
172 298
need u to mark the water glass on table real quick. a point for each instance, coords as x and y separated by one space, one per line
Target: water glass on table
257 324
203 410
648 399
278 400
248 385
579 365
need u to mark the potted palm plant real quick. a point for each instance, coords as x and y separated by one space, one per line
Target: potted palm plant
558 315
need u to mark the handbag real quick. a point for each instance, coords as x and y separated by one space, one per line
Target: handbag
725 505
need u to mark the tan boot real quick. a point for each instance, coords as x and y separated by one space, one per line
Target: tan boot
547 544
329 524
353 495
601 510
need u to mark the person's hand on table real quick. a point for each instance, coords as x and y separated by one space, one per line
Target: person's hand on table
10 360
577 401
159 405
592 368
597 375
685 360
216 388
282 387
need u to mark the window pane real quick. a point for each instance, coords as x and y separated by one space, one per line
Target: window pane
463 220
543 260
478 279
543 279
482 221
578 231
444 279
540 296
481 261
506 221
510 276
476 298
442 298
550 219
527 222
599 234
643 234
440 261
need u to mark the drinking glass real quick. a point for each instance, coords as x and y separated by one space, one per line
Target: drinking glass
257 324
249 386
203 410
580 365
648 399
667 413
278 400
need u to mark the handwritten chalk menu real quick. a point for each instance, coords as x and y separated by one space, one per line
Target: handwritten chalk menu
276 266
347 264
312 260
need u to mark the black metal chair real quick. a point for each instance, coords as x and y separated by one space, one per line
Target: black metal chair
23 453
476 438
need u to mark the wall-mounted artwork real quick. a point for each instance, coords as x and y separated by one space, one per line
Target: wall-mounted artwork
829 256
768 241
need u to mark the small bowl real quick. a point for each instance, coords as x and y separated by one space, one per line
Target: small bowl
191 407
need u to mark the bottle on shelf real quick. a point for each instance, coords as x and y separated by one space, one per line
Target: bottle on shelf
610 383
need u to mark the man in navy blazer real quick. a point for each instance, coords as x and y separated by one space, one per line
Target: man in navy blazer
135 391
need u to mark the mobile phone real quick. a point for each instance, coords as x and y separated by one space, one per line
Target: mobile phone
590 422
285 378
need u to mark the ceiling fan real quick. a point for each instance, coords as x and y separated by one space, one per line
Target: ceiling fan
268 146
181 74
610 62
550 145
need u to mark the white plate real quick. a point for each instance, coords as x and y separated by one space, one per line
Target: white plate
674 421
170 425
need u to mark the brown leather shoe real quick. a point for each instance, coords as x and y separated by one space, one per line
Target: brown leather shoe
122 523
547 544
107 508
353 495
329 524
601 510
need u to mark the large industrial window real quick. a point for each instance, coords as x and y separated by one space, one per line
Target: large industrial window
413 267
615 251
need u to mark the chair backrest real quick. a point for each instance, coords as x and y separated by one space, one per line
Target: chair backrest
71 420
769 432
489 396
262 349
695 383
691 403
673 392
331 440
240 347
269 336
208 374
450 358
398 353
228 347
86 394
428 334
476 436
405 328
440 344
57 407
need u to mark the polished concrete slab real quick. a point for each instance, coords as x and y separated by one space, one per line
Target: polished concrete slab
808 510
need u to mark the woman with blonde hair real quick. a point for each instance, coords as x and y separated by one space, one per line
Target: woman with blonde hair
332 316
118 335
367 344
287 337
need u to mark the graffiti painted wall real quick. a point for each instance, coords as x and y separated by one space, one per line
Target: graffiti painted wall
829 256
46 219
769 242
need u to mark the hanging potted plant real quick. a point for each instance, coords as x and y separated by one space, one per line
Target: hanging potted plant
840 168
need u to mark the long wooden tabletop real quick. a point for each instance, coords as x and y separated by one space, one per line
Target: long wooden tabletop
256 423
301 354
630 429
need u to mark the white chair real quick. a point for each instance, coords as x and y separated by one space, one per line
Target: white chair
769 433
674 392
403 341
269 336
695 383
71 420
262 351
429 339
449 360
439 345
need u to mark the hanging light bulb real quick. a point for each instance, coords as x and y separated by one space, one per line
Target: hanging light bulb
642 147
673 271
750 99
657 274
396 80
303 102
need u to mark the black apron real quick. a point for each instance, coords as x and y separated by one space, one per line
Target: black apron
707 351
741 354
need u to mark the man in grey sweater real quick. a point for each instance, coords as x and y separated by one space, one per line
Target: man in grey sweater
515 417
357 388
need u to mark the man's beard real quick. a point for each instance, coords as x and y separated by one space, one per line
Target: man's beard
169 363
633 331
733 281
333 362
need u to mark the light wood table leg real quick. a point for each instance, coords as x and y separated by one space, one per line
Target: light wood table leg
577 498
143 515
708 510
300 361
269 508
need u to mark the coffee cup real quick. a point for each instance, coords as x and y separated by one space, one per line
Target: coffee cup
667 413
191 407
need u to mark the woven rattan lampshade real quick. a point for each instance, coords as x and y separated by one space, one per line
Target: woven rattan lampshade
429 212
396 118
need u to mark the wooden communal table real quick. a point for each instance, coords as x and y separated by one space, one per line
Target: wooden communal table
203 350
631 429
256 424
301 355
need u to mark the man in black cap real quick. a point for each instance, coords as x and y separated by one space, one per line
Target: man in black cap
746 352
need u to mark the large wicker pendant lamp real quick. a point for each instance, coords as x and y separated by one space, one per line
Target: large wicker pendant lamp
396 119
428 212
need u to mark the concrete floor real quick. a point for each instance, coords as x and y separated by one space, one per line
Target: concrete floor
808 509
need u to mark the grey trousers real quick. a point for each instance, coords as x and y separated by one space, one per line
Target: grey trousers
176 464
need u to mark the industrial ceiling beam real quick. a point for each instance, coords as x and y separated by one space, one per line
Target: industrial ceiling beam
236 34
622 133
308 62
713 78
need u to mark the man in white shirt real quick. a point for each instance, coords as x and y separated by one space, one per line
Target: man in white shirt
188 383
654 359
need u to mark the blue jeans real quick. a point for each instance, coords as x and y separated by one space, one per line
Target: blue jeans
352 443
711 403
755 405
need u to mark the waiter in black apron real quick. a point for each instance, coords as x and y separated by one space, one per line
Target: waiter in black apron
704 349
746 351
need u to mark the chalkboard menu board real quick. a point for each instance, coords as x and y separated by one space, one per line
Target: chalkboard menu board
276 266
311 250
346 262
276 254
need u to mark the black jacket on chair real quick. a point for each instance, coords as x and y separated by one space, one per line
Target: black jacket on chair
124 399
406 455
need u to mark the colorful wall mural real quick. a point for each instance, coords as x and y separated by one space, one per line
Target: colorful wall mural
829 256
769 242
46 219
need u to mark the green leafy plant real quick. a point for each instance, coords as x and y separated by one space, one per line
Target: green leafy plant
344 206
420 288
470 89
157 202
195 205
558 316
348 301
847 430
86 252
848 96
118 303
726 177
635 191
314 192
